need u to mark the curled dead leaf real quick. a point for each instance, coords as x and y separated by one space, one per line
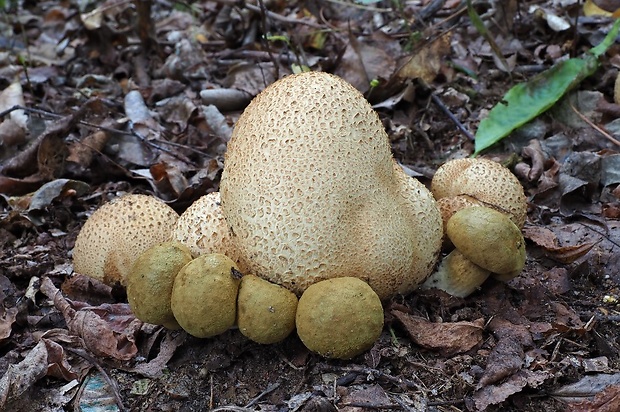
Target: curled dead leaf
448 338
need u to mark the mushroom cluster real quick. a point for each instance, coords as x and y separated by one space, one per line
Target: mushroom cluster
483 208
312 205
310 191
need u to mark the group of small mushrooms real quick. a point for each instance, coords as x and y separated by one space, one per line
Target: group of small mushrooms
314 226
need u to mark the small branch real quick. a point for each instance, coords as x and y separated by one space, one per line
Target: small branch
595 127
448 113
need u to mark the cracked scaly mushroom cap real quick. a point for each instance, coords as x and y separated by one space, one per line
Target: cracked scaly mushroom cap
469 182
310 191
203 229
117 233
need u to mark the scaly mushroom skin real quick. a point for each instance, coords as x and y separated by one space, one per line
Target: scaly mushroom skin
203 229
310 191
117 233
479 182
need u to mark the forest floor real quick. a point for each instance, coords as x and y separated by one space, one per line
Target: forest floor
124 97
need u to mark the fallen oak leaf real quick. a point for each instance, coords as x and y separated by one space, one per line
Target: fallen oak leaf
107 330
546 239
448 338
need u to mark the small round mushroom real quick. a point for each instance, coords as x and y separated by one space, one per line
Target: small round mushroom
488 238
203 229
204 295
150 281
310 191
117 233
481 181
339 318
457 276
265 311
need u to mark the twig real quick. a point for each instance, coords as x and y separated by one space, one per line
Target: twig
276 16
267 391
263 21
104 128
370 371
595 127
370 405
448 113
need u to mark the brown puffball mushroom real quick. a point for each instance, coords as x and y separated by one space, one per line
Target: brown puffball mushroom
457 276
339 318
117 233
488 238
204 295
310 191
483 181
265 311
150 280
203 229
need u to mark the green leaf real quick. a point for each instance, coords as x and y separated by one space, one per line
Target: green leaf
525 101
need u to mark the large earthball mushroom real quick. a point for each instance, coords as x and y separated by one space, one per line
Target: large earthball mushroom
310 191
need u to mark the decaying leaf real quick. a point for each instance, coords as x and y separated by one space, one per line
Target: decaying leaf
448 338
426 62
587 388
495 394
106 330
606 401
546 239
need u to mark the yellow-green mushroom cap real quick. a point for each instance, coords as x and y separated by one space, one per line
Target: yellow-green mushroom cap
204 295
265 311
150 281
488 238
339 318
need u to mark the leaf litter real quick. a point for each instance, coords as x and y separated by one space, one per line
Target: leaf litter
95 107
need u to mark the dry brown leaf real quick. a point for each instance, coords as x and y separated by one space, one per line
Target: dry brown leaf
7 318
546 239
447 338
155 368
605 401
505 359
106 330
426 62
20 377
494 394
363 399
587 388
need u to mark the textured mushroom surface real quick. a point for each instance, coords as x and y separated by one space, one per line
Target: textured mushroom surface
310 191
488 238
150 280
117 233
339 318
265 311
483 180
203 229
